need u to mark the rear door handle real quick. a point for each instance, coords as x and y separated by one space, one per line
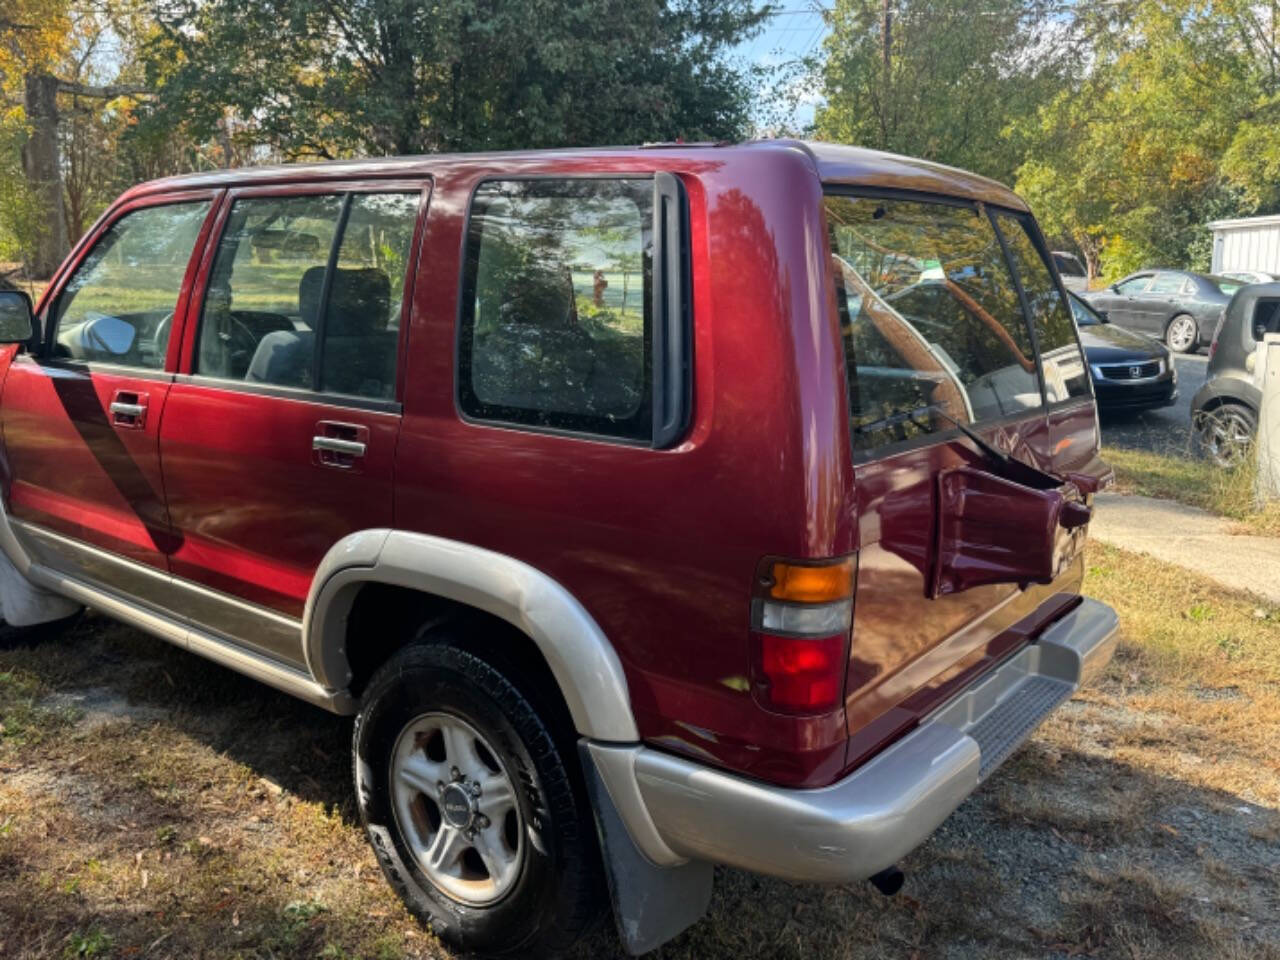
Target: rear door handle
128 410
340 446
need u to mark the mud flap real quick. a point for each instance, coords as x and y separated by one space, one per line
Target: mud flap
23 604
651 904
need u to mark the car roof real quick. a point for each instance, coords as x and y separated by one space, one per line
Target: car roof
832 163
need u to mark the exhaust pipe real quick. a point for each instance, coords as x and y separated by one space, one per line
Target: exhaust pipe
888 881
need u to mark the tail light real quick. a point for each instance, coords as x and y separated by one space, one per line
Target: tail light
1217 330
801 615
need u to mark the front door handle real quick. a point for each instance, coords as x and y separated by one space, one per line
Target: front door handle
339 445
352 448
128 410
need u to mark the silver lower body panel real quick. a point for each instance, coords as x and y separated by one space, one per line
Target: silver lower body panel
676 809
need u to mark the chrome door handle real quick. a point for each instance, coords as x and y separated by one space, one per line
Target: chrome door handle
121 409
352 448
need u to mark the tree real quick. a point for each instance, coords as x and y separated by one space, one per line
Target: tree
939 79
336 77
45 52
1172 126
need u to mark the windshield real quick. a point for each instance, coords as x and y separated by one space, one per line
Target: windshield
1228 287
933 321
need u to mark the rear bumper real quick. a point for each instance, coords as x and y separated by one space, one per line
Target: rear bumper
678 810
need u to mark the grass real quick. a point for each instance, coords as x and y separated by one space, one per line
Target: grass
154 805
1197 483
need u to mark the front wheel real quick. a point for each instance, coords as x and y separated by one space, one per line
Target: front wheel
471 806
1182 335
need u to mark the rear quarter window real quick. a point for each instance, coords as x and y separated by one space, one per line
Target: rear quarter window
555 327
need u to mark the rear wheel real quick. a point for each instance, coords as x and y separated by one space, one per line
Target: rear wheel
1182 335
1227 432
472 807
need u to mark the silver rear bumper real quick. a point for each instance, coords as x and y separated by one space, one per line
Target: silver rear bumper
677 810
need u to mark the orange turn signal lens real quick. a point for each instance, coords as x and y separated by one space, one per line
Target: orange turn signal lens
800 583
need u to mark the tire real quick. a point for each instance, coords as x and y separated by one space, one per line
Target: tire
11 636
1182 335
433 707
1227 433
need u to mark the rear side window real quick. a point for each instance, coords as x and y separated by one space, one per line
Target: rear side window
306 292
1134 285
1166 283
118 306
932 323
555 327
1065 375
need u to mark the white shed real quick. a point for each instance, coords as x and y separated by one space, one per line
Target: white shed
1252 243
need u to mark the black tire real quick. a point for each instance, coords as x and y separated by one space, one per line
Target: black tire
555 897
1176 338
11 636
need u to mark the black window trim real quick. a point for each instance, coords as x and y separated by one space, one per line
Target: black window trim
863 457
671 284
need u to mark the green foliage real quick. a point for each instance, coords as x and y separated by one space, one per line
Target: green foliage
955 77
22 212
1171 128
409 76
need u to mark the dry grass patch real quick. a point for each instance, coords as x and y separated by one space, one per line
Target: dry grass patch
153 805
1197 483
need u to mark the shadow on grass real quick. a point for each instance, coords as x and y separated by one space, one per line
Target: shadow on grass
1063 853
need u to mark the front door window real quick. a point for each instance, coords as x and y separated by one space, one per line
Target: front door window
118 306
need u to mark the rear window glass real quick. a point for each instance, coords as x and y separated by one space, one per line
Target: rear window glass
1065 375
556 319
931 319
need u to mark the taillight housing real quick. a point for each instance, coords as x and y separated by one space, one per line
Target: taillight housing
801 615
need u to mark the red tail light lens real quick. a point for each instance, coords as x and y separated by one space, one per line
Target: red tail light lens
801 615
801 674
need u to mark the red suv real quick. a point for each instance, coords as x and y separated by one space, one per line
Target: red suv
650 508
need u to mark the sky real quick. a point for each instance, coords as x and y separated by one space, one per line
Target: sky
795 30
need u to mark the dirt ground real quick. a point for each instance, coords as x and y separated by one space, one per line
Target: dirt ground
155 805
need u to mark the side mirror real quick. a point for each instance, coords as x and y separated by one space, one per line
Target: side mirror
1260 331
16 320
1103 315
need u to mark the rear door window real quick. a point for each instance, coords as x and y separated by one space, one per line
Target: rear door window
1166 283
556 325
931 318
306 292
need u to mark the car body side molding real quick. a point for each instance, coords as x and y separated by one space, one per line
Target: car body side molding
584 663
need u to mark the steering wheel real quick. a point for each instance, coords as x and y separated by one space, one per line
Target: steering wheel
160 339
240 343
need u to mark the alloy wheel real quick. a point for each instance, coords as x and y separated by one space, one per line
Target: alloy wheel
457 809
1227 435
1182 334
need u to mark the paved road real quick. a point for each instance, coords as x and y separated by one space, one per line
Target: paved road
1167 430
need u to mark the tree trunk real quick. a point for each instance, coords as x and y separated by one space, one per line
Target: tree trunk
43 169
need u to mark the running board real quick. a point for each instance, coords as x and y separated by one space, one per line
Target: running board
223 652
